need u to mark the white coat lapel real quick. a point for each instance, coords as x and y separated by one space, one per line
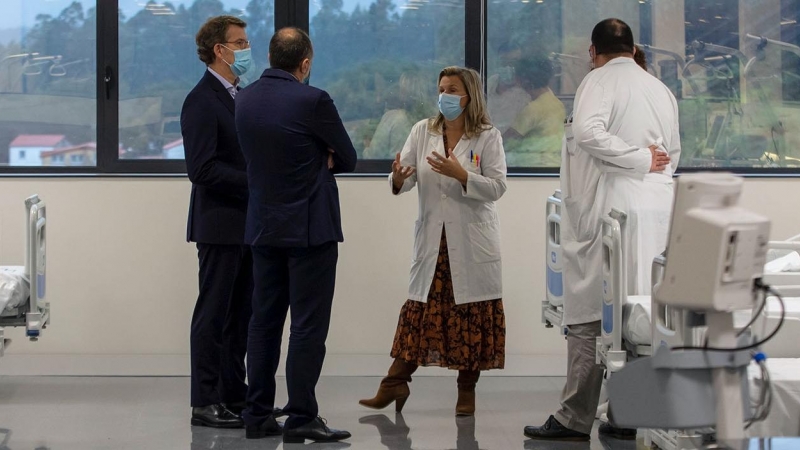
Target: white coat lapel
462 147
436 144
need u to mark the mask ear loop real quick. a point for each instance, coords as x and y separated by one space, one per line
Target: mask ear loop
223 59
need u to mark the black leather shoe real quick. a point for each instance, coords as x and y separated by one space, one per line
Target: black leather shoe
554 431
316 430
627 434
239 407
270 427
215 416
236 408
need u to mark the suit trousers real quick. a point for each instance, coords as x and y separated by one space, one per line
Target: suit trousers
219 324
300 280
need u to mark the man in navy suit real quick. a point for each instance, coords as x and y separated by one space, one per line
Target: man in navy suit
217 213
293 141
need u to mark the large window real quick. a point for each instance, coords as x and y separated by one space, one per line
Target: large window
379 60
527 97
733 65
48 83
158 66
97 87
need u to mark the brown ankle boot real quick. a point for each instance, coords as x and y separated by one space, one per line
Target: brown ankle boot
466 392
393 388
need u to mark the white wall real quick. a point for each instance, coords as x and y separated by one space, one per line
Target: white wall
122 279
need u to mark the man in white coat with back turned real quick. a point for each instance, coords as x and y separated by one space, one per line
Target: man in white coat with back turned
622 146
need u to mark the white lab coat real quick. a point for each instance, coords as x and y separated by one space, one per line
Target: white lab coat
620 110
469 216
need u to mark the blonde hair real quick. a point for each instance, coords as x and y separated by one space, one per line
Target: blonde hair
476 118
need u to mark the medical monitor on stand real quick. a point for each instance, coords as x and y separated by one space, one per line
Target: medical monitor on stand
716 251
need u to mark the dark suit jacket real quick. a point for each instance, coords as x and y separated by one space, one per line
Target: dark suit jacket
285 129
215 165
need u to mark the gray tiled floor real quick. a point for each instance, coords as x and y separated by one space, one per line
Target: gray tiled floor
151 413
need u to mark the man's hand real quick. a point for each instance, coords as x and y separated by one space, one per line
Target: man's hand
660 159
330 158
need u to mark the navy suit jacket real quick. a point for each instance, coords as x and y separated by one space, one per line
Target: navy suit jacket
285 129
216 167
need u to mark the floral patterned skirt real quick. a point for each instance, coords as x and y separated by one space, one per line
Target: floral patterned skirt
438 332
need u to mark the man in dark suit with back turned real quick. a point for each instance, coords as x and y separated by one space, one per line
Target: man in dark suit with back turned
293 141
217 212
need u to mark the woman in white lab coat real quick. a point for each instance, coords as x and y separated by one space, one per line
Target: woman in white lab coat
454 314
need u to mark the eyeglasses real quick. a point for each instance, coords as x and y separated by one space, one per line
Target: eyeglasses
241 43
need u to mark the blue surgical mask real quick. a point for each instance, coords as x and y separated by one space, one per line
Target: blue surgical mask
450 105
242 61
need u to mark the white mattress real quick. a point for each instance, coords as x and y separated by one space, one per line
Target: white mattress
783 417
637 314
636 319
14 288
790 262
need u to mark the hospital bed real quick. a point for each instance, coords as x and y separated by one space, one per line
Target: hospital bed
785 275
553 304
782 272
622 331
627 331
632 335
23 301
627 328
633 325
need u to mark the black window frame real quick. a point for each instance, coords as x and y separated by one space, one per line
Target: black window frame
287 13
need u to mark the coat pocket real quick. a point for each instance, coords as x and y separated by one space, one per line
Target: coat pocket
583 216
485 241
471 164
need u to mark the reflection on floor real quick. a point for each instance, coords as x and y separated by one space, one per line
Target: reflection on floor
152 413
